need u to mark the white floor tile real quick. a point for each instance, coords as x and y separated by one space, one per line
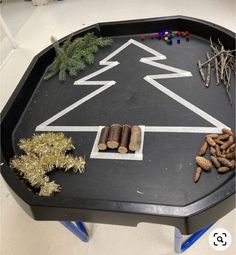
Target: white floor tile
15 13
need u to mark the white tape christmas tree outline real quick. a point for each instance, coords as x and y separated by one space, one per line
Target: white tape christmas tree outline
151 79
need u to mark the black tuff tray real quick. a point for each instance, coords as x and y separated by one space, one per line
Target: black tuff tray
160 187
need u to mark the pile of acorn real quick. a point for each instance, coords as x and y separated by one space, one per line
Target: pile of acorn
168 36
222 150
124 138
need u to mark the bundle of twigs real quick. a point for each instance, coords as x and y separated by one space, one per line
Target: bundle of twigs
223 62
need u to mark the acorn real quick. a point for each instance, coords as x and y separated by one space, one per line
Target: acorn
204 163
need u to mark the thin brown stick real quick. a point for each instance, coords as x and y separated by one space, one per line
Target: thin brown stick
217 72
220 42
200 70
229 95
229 75
208 78
214 49
222 63
216 56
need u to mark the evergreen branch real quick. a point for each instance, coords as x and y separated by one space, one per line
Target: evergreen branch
72 56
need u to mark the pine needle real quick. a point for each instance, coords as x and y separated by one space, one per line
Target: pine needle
73 56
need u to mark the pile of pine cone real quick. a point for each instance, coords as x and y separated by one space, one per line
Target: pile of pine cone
222 150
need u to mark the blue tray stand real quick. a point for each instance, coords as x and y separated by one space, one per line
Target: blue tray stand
79 230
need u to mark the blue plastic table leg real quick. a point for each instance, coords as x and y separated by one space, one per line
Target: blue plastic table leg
181 247
78 229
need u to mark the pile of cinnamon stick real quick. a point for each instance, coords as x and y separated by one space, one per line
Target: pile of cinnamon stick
223 63
222 151
124 138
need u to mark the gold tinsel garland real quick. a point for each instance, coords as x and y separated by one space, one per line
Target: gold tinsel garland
44 153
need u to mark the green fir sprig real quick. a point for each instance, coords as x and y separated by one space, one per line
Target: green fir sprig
73 56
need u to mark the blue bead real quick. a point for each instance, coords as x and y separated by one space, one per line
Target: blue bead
178 41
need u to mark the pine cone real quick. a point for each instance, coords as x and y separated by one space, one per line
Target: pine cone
211 141
225 145
230 155
225 162
203 149
197 174
213 151
223 169
233 163
227 131
204 163
218 141
215 162
223 137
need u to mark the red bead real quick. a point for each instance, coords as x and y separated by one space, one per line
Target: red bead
187 38
178 33
142 37
187 33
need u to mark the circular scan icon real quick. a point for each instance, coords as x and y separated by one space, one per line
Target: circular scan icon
220 239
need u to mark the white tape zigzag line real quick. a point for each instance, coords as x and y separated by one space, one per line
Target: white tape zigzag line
148 129
149 78
86 81
42 127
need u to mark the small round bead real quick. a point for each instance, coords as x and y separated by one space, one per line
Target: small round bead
142 37
178 41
